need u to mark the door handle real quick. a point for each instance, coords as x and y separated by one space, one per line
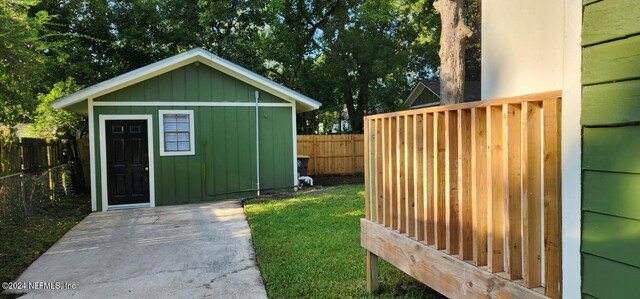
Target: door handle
146 168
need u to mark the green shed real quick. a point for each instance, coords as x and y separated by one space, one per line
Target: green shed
190 128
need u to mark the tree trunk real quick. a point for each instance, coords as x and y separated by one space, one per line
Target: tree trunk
349 102
452 46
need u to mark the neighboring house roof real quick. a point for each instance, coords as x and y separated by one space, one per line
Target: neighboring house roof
471 92
303 103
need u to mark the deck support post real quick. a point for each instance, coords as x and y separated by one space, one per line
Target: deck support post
372 272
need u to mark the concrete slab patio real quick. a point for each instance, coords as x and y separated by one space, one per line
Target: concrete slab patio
187 251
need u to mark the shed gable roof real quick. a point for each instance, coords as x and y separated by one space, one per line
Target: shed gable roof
471 91
303 103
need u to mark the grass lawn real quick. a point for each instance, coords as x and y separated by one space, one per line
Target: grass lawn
309 247
23 241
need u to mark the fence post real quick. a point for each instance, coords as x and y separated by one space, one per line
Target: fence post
2 157
48 146
23 195
315 164
353 154
22 155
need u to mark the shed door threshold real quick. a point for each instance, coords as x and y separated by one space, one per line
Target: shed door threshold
128 206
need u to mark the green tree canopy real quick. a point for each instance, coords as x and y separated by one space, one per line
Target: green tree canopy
356 57
22 57
53 123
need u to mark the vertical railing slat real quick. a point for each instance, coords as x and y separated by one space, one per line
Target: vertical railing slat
408 167
379 172
393 207
451 181
402 212
367 203
464 184
429 178
531 184
552 210
371 169
495 190
479 184
439 180
387 172
513 207
418 175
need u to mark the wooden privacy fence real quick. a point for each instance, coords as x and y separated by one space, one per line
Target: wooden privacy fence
29 154
333 154
477 181
83 155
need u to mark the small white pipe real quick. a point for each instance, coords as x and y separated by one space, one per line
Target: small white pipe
257 144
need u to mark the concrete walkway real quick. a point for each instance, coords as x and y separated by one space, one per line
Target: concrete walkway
187 251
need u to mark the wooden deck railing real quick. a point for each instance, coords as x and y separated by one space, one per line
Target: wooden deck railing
477 181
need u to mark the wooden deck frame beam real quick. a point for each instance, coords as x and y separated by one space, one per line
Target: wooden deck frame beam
449 276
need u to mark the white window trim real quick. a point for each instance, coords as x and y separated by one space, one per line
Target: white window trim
192 142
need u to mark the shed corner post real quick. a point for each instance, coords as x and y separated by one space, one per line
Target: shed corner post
92 157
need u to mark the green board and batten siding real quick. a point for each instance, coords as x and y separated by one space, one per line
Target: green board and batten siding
190 83
225 144
611 149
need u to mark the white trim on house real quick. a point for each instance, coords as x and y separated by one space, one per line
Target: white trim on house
180 60
103 156
92 156
257 120
192 143
571 152
295 147
191 104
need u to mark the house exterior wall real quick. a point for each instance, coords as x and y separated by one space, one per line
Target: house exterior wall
224 164
522 44
534 46
611 143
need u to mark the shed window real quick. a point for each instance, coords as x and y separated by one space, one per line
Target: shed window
176 132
